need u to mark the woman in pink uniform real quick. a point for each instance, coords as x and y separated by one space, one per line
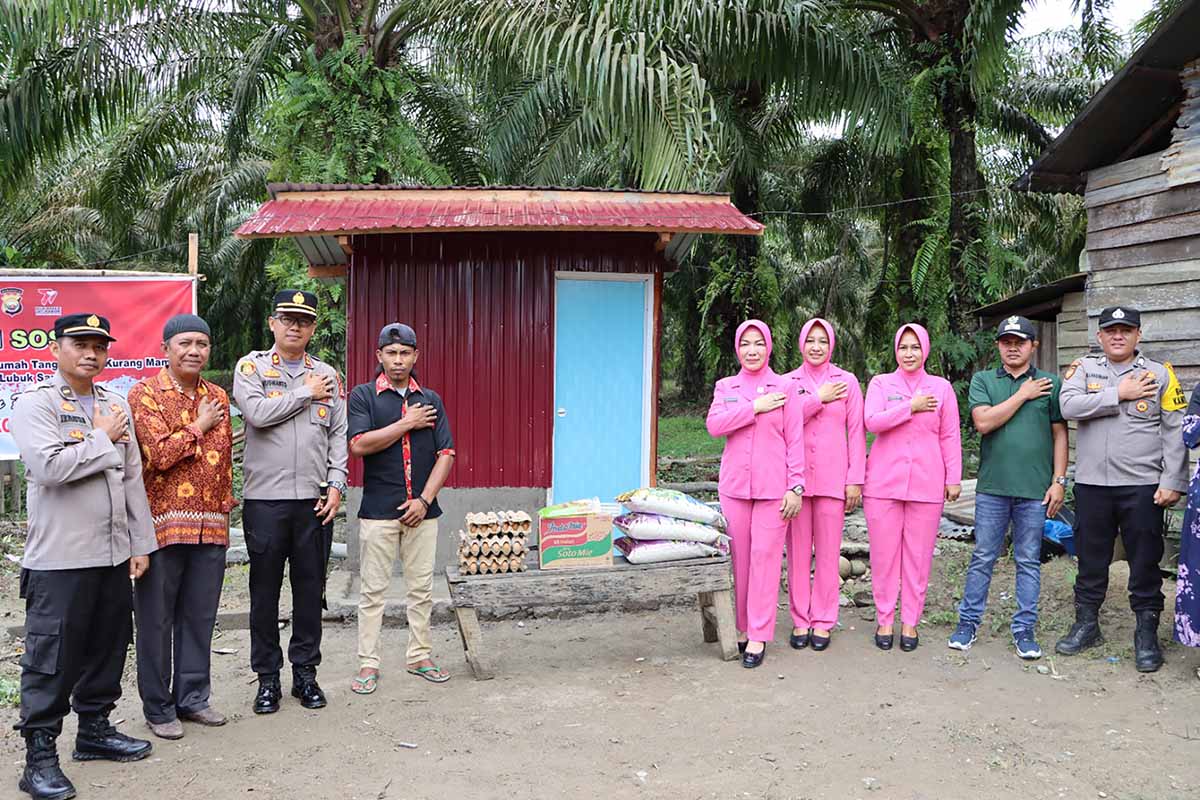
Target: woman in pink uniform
914 468
761 483
835 451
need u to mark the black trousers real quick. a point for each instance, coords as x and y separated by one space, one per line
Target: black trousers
1100 513
77 629
176 603
280 532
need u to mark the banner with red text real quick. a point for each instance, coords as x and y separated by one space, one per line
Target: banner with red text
136 307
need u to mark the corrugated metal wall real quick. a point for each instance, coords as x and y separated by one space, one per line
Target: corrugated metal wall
482 305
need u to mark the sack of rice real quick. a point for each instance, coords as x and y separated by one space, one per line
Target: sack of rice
648 527
671 503
652 552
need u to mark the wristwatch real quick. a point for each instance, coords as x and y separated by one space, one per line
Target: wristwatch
1061 480
798 490
341 487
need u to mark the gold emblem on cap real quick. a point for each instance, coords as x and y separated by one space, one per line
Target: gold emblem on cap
298 298
94 321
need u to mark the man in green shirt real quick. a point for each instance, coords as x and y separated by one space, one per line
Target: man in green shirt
1022 479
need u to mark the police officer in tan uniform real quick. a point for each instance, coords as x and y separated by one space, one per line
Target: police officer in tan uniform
90 535
295 412
1130 464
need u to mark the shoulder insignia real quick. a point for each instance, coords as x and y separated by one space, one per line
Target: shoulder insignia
1173 398
65 391
1070 373
247 367
275 359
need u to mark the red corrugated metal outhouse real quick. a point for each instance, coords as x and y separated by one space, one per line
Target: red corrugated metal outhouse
537 312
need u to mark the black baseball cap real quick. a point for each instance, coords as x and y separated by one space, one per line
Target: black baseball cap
1120 315
83 325
294 301
1016 326
397 333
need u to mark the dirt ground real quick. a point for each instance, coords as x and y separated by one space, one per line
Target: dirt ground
637 706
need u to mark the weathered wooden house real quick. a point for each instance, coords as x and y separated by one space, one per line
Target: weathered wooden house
1134 155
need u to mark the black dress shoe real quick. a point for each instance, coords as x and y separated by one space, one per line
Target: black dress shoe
884 641
752 660
269 695
798 641
43 778
820 643
306 689
742 646
909 643
99 740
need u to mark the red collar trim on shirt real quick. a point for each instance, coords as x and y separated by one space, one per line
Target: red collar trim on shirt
382 384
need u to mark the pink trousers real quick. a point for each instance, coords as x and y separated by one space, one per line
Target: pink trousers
757 533
817 530
903 534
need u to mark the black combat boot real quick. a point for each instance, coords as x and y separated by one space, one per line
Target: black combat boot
98 739
269 694
1084 633
304 687
1147 655
43 777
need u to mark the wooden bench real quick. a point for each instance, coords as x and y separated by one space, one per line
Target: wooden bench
707 578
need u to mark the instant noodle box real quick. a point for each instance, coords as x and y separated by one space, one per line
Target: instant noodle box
572 536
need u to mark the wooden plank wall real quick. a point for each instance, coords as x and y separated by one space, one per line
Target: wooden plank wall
1144 250
1072 341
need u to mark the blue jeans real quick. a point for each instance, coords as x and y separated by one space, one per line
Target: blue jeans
992 516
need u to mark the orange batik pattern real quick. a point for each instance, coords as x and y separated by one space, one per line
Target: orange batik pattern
188 473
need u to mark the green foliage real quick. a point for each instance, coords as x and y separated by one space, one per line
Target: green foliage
686 437
289 270
10 692
339 120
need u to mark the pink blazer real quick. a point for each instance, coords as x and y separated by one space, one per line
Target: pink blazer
914 456
835 447
764 453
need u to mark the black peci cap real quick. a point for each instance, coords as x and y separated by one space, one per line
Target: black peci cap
294 301
83 325
1120 315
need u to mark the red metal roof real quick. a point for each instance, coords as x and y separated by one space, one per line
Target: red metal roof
314 211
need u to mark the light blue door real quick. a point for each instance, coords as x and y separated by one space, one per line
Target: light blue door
600 360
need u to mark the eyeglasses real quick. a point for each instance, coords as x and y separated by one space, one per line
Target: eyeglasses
296 322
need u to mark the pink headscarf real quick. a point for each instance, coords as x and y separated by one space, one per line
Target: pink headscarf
912 378
753 378
819 372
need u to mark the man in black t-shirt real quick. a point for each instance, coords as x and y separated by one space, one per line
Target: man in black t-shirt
400 430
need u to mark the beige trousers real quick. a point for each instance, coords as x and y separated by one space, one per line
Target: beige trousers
380 541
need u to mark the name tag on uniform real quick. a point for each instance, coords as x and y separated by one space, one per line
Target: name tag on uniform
895 397
730 400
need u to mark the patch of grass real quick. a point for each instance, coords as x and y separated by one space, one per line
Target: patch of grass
10 692
686 437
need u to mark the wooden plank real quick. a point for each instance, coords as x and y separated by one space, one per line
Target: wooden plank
1149 274
1126 191
1177 227
472 641
708 617
1163 252
1073 302
1125 171
726 629
590 587
1145 297
1174 201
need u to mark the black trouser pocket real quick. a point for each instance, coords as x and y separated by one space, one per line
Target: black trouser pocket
43 643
